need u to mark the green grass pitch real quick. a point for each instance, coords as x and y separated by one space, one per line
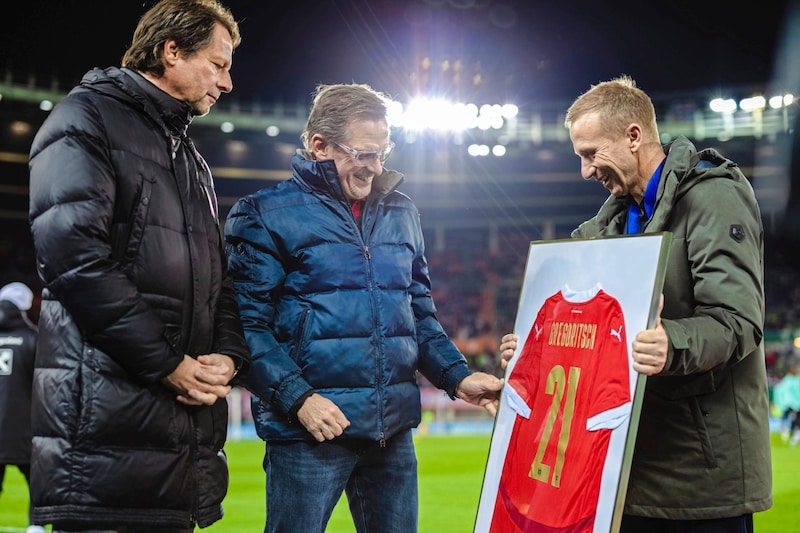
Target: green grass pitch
450 476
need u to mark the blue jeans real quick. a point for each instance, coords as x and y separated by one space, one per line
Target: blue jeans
305 481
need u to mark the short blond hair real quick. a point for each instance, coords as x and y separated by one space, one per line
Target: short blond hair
618 103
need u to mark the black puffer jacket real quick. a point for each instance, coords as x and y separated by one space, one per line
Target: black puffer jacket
123 216
17 351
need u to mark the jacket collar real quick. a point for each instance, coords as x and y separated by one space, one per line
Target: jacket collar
323 177
611 217
172 114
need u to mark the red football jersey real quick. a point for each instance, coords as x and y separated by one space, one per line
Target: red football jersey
570 387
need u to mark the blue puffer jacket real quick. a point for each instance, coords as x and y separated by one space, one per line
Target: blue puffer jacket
325 306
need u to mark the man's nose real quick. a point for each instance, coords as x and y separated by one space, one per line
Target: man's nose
375 166
588 171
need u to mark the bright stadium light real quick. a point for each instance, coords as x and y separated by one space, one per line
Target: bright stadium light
478 150
509 111
490 117
438 114
778 101
394 114
721 105
752 103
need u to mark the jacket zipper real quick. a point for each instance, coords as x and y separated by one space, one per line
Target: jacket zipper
368 257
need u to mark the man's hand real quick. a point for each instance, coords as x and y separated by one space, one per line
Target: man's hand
508 345
650 347
322 418
201 381
481 389
218 369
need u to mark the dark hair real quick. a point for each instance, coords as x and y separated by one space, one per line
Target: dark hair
190 23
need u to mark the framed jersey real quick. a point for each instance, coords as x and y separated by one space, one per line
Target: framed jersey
564 432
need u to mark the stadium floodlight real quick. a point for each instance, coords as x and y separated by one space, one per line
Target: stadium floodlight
721 105
478 150
437 114
394 114
499 150
752 103
509 111
491 116
779 101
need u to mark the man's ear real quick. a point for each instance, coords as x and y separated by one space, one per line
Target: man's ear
634 135
319 147
171 52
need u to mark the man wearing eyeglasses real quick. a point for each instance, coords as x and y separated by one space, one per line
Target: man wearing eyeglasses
334 292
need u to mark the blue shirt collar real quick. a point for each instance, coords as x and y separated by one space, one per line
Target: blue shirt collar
638 217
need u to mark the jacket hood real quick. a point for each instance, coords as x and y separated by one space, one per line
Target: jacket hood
684 168
171 114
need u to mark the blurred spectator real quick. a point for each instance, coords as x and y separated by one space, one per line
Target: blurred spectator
17 351
786 398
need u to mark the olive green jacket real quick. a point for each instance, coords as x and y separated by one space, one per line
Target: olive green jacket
703 449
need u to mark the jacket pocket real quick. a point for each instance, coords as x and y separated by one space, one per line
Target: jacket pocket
300 339
679 387
173 335
703 435
138 221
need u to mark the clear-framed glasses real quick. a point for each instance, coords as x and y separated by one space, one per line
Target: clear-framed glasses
366 157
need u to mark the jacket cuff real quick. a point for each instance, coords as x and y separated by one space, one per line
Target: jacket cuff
455 376
241 366
292 414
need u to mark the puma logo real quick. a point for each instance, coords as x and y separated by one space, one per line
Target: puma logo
617 333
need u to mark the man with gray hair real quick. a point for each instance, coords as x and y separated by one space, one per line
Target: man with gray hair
335 297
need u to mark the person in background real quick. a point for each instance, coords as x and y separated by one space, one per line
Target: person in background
17 352
335 297
702 459
139 332
786 398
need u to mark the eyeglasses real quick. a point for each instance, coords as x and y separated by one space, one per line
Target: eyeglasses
366 157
